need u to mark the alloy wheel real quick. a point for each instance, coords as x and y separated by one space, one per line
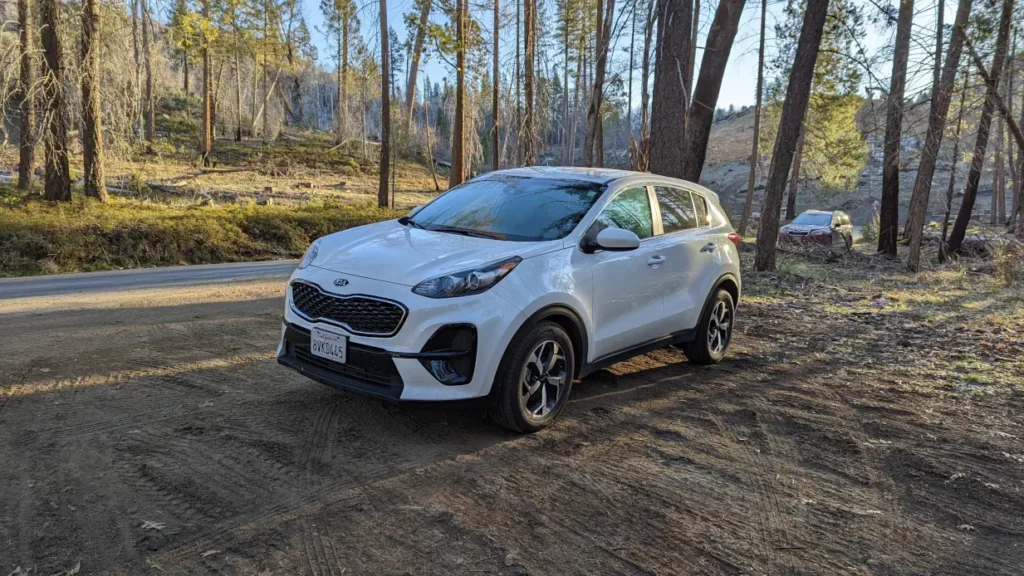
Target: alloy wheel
543 379
719 328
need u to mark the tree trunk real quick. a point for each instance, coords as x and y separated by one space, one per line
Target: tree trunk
417 52
668 112
629 94
343 101
794 181
238 99
751 177
794 109
565 87
691 62
963 217
206 122
889 217
427 134
940 13
709 84
138 72
496 92
914 227
58 173
998 178
1010 157
530 33
575 108
952 172
266 72
383 198
184 70
26 147
643 149
92 121
147 58
457 172
604 33
518 121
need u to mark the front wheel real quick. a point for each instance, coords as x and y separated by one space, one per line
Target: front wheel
534 379
714 331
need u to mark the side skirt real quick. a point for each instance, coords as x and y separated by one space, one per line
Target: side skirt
615 357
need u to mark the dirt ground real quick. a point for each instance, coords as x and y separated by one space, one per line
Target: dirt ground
865 422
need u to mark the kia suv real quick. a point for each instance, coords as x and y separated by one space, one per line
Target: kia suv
514 285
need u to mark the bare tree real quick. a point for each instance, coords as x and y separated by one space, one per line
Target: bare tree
888 227
92 121
604 33
58 172
963 217
457 172
668 110
709 84
383 198
914 228
751 177
27 145
643 148
952 171
794 108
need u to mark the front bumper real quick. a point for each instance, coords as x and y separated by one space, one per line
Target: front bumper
395 367
789 238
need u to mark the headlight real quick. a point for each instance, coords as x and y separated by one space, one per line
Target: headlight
310 256
819 232
785 228
467 282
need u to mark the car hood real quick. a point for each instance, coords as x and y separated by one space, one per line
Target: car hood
405 255
804 227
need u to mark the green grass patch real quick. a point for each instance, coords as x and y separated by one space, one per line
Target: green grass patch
40 237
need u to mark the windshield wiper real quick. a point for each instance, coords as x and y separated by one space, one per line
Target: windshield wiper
406 221
468 232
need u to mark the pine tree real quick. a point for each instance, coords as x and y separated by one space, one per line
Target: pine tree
92 122
58 173
26 146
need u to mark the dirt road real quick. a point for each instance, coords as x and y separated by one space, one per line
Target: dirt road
151 432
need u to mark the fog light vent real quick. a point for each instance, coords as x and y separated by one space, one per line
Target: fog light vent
456 348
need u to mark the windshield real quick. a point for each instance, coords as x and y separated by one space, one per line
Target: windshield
510 208
813 219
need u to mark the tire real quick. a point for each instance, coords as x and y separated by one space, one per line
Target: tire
705 348
544 346
849 242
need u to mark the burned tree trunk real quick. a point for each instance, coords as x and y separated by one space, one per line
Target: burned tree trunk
963 217
668 111
793 110
914 228
709 84
604 33
888 223
58 173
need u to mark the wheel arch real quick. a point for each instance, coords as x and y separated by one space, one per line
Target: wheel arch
730 283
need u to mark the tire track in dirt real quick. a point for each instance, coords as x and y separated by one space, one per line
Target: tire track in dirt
315 533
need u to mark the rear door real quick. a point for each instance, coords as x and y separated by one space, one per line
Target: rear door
692 262
627 285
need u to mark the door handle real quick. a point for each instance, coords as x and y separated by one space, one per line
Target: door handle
709 247
655 260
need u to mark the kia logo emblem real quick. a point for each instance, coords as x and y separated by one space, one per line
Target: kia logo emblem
341 282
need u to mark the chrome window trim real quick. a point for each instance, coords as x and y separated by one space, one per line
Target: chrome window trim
349 329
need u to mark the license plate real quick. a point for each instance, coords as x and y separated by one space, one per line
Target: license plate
328 345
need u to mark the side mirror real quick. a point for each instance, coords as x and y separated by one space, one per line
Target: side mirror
616 240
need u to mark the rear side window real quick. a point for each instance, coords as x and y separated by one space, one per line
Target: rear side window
677 210
630 210
701 204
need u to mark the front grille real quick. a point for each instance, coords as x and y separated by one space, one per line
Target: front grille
359 314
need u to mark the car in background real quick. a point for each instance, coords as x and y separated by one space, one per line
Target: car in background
819 227
513 285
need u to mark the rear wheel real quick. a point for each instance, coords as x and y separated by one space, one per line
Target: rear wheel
534 379
714 331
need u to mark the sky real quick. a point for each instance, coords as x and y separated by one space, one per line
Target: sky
739 83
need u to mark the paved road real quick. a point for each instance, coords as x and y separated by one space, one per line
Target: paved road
142 278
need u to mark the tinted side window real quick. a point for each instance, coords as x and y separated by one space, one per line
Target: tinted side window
677 212
630 210
701 204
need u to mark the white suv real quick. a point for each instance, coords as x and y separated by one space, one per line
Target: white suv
513 285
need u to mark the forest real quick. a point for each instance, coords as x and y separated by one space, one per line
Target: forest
177 102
